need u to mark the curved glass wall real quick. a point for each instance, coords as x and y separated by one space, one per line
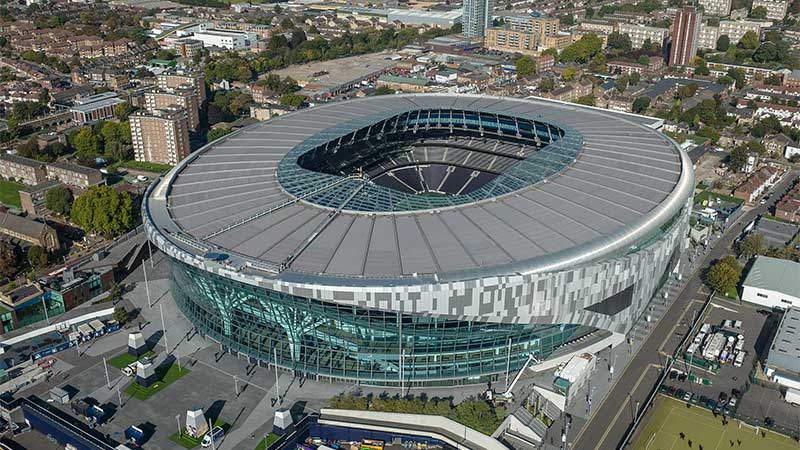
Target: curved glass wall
352 343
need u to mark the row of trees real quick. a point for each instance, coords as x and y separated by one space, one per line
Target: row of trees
474 413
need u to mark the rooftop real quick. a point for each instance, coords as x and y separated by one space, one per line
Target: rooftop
540 209
774 274
784 353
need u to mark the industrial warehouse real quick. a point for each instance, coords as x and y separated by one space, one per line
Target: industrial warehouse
424 239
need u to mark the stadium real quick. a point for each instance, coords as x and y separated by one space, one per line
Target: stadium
423 239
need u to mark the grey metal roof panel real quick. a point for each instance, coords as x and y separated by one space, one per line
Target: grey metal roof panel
623 175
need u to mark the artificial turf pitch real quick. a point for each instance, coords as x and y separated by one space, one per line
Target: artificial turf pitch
706 432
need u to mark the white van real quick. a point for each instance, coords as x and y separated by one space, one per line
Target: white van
216 433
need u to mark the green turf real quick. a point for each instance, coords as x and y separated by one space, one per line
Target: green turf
188 442
671 417
706 195
124 359
166 376
266 442
9 193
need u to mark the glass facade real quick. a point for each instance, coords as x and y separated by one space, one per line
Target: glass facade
356 344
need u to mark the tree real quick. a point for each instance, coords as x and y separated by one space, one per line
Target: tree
751 245
587 100
738 158
59 200
292 100
759 12
384 90
622 83
37 256
101 209
738 77
749 40
546 85
8 259
641 104
216 133
634 78
526 66
589 13
569 73
86 142
582 50
621 42
722 277
121 314
123 110
723 42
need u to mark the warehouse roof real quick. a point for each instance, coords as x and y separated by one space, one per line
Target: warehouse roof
775 275
784 354
606 184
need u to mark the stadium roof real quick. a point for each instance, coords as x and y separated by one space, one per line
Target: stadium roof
624 183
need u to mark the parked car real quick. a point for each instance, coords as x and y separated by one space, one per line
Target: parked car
732 402
47 363
711 404
216 434
687 396
723 396
703 400
673 374
694 398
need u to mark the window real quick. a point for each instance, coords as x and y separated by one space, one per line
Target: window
762 295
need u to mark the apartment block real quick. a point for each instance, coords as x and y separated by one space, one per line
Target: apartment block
195 79
24 170
716 7
776 9
73 174
184 96
505 40
735 29
160 136
685 31
540 25
707 39
640 33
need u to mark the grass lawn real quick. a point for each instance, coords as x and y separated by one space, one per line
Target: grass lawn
123 359
166 376
186 441
9 193
266 442
671 417
706 195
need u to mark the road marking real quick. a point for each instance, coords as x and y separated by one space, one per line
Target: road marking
622 407
714 305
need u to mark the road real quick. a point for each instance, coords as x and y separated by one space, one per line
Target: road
606 430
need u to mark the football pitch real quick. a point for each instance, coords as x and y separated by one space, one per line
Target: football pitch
671 418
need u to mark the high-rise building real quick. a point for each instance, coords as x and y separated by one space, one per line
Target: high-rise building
776 9
716 7
477 17
161 136
685 31
173 80
184 96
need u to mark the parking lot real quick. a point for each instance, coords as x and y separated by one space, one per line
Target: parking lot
755 403
727 378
